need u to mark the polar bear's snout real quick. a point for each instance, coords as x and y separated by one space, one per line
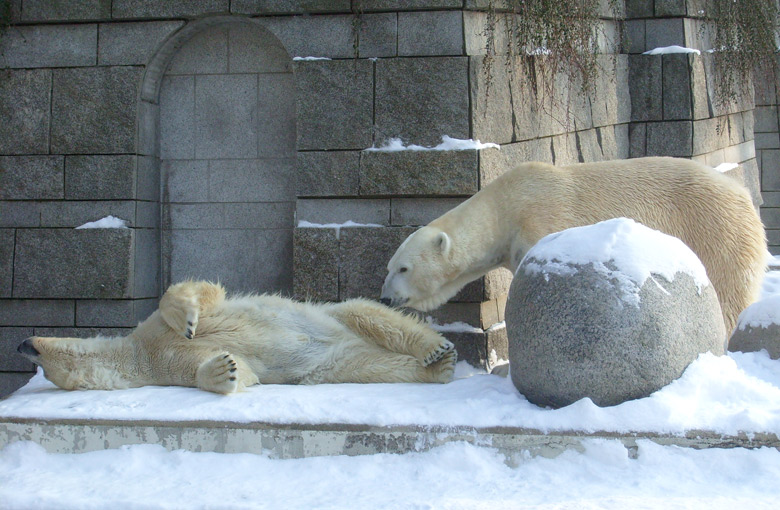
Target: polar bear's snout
28 350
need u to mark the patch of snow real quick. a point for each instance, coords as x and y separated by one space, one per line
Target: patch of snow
667 50
338 226
497 326
447 144
309 59
726 167
452 327
107 222
634 250
761 314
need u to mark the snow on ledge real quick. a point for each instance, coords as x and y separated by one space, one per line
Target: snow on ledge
309 59
338 226
107 222
447 144
667 50
726 167
452 327
761 314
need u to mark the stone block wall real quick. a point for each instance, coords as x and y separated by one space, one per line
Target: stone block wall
767 139
232 137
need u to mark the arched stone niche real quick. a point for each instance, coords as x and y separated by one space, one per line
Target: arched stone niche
217 129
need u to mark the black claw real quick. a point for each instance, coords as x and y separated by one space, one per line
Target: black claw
226 356
232 378
188 335
233 369
189 323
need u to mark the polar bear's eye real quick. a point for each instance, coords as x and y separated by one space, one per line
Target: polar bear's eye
403 269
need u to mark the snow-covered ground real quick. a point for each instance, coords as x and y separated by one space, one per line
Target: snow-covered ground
727 394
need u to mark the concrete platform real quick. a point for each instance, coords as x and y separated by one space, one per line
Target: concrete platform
297 441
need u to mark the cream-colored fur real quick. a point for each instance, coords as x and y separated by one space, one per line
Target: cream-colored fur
710 212
201 339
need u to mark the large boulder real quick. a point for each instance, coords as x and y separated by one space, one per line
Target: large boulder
758 328
612 311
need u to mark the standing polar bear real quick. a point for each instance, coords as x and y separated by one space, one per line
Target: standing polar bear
710 212
199 338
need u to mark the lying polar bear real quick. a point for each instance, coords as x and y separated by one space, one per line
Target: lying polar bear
198 338
708 211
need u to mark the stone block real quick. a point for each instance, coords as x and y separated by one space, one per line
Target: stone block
262 215
471 346
677 101
147 183
327 173
770 216
226 116
378 35
99 177
71 214
254 49
25 107
662 32
330 36
58 263
31 177
147 215
634 36
645 81
419 211
495 119
258 180
10 382
177 117
18 214
148 129
740 152
49 46
710 135
168 9
82 332
639 9
205 53
334 93
418 172
289 6
94 110
46 10
765 119
6 262
700 98
767 141
185 180
132 43
670 8
363 256
770 170
316 264
276 114
670 139
607 101
494 163
421 99
10 360
497 284
338 211
146 264
454 312
113 313
36 312
426 33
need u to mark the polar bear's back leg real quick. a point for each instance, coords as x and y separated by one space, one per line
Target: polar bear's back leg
374 364
183 304
391 330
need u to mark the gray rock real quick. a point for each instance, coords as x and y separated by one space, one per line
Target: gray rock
758 328
572 336
418 172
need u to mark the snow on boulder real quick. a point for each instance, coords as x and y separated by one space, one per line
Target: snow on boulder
758 328
612 311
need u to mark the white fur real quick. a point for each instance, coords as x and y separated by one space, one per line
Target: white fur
710 212
199 338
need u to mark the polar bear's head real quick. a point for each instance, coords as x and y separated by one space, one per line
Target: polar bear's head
77 363
421 274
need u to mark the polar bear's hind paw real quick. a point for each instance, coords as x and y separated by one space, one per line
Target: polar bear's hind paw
439 352
218 374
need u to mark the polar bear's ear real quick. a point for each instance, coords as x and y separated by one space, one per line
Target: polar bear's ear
444 243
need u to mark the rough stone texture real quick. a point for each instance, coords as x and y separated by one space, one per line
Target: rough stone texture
132 43
645 81
309 36
169 8
10 382
419 211
46 10
71 214
327 173
93 110
752 339
99 177
334 93
113 313
572 336
49 46
378 35
339 211
315 264
288 6
6 261
677 101
418 172
670 139
370 5
31 177
90 263
36 312
25 106
430 33
664 32
421 99
10 360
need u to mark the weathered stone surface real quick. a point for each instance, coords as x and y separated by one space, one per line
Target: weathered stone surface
6 261
363 256
71 214
492 97
10 382
132 43
677 101
420 211
167 9
662 32
430 33
288 6
634 36
10 360
609 104
770 180
573 336
146 264
36 312
49 46
206 52
17 214
31 177
226 117
401 5
338 211
418 172
89 263
327 173
421 99
334 93
315 264
758 328
93 110
378 35
46 10
25 106
670 8
314 36
113 313
670 138
251 180
645 81
99 177
639 9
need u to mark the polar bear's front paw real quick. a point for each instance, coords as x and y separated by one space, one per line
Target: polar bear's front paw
219 374
444 369
439 352
181 315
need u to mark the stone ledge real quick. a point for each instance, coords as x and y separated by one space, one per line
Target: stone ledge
292 441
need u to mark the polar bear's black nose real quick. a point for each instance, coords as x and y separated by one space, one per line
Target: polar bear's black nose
26 348
385 301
